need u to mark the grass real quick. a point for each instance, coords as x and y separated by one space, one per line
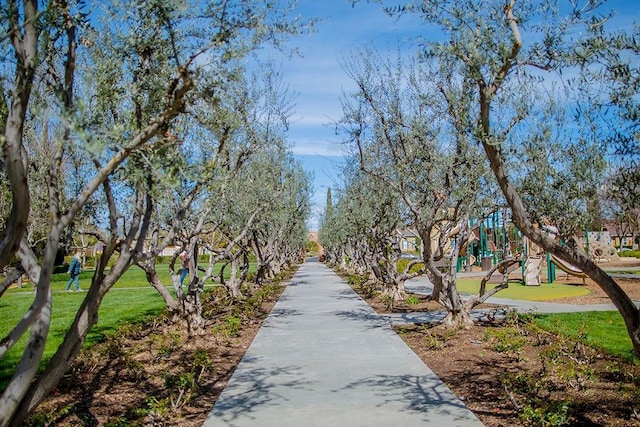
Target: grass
131 300
544 292
119 306
604 330
636 271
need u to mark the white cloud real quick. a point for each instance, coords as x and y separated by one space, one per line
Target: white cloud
314 149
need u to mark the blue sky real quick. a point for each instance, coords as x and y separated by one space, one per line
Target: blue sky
318 81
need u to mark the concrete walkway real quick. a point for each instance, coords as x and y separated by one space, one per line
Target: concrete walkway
421 285
324 358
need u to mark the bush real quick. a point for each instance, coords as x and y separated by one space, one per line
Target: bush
402 264
505 339
632 254
89 262
58 269
413 300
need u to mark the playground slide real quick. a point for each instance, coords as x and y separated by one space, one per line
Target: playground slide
567 268
532 271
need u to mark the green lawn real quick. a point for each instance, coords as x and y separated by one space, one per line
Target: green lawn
602 329
131 299
544 292
120 306
623 271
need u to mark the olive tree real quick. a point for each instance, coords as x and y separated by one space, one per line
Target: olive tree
409 125
333 232
136 78
343 231
279 235
622 201
223 132
509 49
378 218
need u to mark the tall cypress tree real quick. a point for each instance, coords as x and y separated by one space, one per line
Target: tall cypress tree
328 211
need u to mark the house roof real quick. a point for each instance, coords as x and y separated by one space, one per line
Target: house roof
615 231
407 232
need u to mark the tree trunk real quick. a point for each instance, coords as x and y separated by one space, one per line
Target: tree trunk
154 281
192 308
393 280
86 317
38 319
24 37
446 293
234 283
458 319
20 384
395 290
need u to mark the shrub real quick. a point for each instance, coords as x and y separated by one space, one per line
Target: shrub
627 253
59 269
230 327
413 300
200 362
552 414
505 339
403 262
437 339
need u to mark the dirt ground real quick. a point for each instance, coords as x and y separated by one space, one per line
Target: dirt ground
509 387
597 295
509 374
154 374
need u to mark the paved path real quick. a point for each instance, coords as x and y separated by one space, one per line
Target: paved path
324 358
421 285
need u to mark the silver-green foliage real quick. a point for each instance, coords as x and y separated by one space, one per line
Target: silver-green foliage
114 78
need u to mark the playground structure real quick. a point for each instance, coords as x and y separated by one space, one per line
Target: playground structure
534 259
532 267
495 238
568 268
596 245
490 242
600 251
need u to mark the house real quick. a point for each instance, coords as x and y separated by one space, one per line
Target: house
409 240
622 236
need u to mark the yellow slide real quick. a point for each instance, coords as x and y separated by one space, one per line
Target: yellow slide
568 268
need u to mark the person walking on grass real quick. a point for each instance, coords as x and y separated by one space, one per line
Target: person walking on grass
184 256
74 271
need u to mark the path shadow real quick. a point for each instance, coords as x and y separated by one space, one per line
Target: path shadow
299 279
488 316
369 319
280 317
252 389
424 394
348 294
